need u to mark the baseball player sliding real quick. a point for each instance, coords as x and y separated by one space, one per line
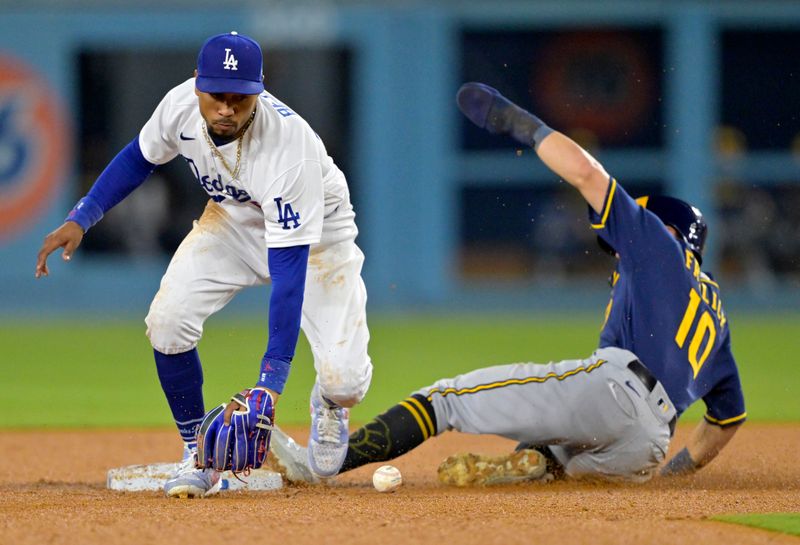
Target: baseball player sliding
665 344
279 210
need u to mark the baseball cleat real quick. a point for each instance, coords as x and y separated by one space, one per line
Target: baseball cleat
291 458
488 109
190 482
327 446
479 470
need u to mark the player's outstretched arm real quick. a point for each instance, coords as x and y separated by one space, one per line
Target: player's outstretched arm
123 174
490 110
706 442
68 236
576 167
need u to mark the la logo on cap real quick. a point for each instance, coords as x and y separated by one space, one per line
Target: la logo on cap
230 61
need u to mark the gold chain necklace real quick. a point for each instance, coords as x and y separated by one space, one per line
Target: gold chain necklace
235 171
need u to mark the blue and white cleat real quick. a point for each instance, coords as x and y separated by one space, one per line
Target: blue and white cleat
327 446
488 109
190 482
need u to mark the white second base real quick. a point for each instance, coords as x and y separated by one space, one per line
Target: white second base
139 478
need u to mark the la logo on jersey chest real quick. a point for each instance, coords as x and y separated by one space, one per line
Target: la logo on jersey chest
230 62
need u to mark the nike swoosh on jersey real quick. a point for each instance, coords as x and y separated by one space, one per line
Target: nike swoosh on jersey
629 385
186 137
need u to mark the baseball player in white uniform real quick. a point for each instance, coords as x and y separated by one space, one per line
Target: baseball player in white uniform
279 210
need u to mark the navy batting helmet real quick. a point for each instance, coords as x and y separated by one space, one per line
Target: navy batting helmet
680 215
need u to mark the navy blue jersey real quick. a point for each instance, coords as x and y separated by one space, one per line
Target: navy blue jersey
667 312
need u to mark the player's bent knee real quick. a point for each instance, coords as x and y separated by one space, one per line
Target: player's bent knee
636 463
171 332
344 396
347 387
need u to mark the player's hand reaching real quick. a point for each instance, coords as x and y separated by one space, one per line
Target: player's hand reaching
68 236
231 407
235 436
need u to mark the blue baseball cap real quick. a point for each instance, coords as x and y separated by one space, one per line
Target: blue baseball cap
230 63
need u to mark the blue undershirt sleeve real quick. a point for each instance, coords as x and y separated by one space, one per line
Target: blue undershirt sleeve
127 171
287 268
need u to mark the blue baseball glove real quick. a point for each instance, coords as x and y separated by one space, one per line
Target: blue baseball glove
242 445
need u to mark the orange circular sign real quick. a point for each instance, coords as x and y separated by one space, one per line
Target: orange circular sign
33 146
600 81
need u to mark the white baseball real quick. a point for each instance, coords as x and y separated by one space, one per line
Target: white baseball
387 479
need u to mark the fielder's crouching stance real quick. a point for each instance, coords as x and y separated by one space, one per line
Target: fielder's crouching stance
664 345
280 211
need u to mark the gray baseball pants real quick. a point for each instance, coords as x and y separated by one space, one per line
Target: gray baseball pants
599 417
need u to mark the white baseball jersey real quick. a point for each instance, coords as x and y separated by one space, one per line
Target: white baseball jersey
287 185
287 192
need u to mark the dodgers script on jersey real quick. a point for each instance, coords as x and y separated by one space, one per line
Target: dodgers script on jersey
285 193
667 312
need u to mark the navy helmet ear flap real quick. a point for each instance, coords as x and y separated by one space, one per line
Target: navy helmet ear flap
686 219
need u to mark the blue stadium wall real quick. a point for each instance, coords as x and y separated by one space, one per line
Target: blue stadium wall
405 132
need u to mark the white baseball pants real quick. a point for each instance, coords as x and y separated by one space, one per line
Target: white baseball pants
216 260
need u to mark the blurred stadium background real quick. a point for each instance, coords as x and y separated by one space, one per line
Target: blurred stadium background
698 99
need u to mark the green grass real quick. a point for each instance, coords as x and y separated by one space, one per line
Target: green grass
84 374
787 523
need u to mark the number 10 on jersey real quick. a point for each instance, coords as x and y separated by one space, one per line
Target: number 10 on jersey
705 325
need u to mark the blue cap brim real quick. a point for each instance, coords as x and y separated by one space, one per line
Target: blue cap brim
228 85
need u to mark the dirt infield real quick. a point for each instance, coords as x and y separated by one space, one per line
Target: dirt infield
52 490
